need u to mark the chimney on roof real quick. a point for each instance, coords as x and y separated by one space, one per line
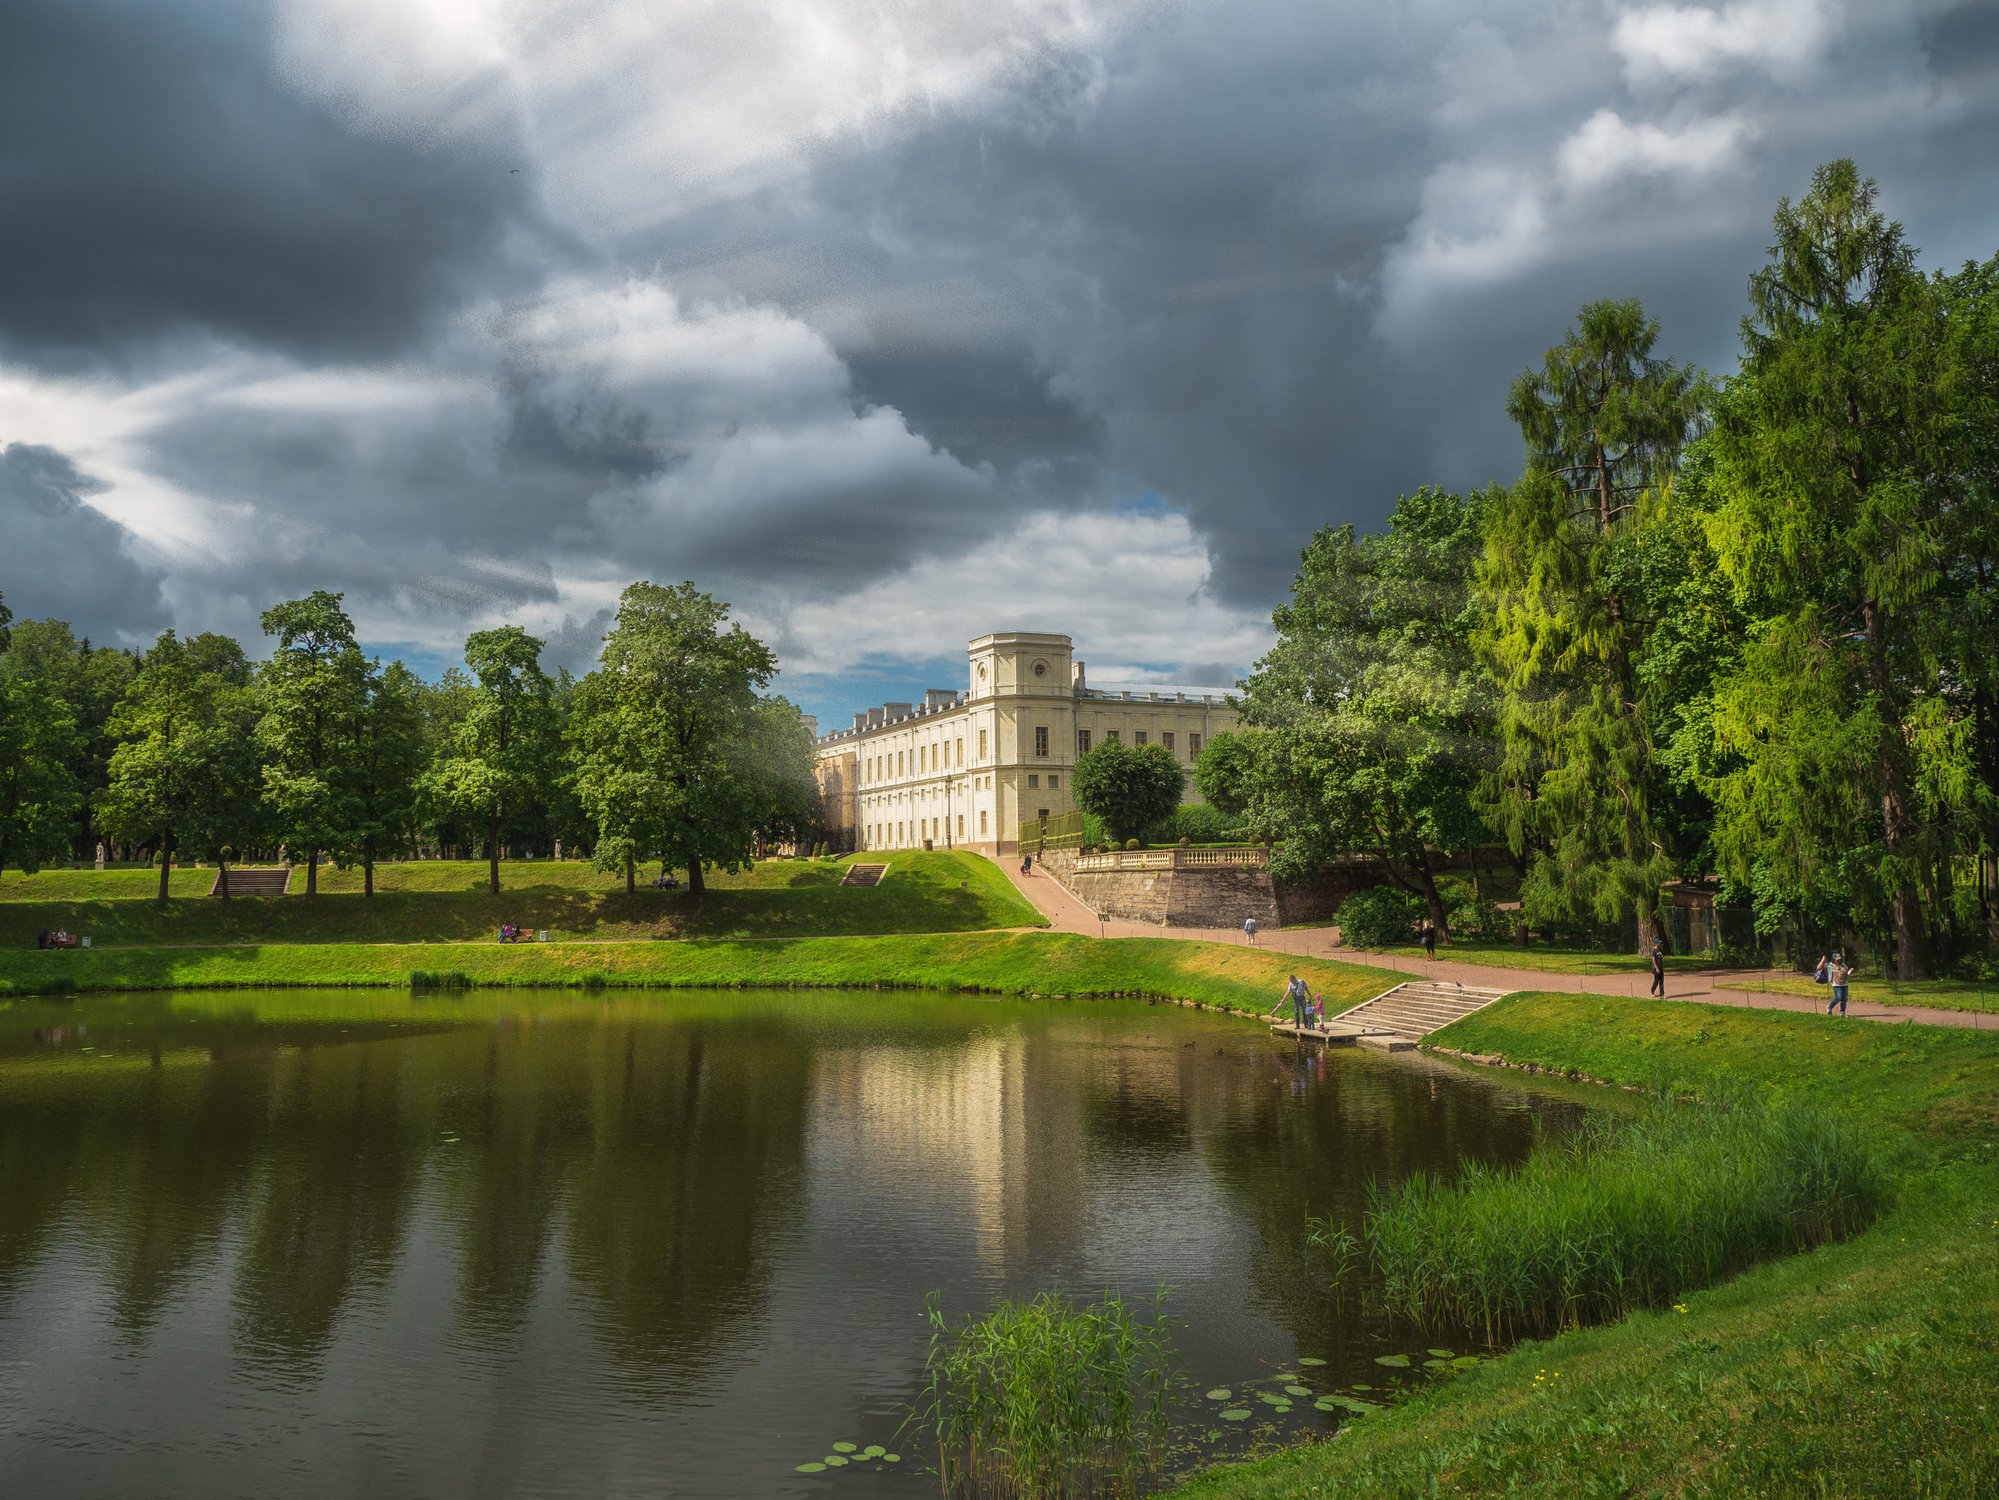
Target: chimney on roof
860 722
1079 684
936 698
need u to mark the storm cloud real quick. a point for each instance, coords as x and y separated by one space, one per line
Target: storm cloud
891 323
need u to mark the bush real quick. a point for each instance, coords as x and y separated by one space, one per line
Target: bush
1467 915
1382 917
1131 843
440 979
1195 823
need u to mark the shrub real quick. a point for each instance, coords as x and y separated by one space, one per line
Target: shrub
440 979
1468 915
1195 823
1131 787
1046 1398
1628 1214
1131 843
1380 917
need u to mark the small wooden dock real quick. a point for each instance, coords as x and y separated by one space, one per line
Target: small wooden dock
1333 1034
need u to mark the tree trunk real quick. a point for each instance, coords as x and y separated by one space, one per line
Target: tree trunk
1433 903
493 854
631 876
1648 921
166 861
695 885
222 876
1904 904
311 872
367 870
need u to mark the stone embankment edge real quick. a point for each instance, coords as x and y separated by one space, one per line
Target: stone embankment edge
1495 1060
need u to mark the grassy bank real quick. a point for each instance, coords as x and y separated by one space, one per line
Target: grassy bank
446 901
1043 963
1936 994
1547 959
1864 1368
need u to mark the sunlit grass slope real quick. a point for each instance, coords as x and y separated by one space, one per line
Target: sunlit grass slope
446 900
1858 1369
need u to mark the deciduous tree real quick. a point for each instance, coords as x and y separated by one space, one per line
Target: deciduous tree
1130 787
502 753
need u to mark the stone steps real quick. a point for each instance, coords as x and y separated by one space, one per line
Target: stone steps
1414 1010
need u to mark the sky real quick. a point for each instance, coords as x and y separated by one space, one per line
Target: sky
890 322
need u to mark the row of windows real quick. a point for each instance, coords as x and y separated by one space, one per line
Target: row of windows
1138 737
922 828
939 757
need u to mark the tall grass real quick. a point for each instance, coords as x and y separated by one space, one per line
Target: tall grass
1625 1215
1047 1400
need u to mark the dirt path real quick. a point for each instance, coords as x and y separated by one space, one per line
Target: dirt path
1068 913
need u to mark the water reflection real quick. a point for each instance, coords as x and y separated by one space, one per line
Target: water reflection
645 1245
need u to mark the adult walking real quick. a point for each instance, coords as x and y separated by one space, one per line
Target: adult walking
1839 971
1658 961
1430 940
1249 930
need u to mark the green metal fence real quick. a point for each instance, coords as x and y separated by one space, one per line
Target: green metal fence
1063 831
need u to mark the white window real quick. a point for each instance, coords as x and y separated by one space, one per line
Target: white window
1139 738
1166 738
1053 782
1034 781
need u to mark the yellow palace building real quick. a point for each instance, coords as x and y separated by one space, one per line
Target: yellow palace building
965 769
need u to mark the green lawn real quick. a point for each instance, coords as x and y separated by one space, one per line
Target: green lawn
446 901
1546 958
1043 963
1938 994
1861 1369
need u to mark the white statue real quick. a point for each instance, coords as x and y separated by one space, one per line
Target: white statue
558 848
100 854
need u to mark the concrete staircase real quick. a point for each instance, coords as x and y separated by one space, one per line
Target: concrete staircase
253 881
1398 1020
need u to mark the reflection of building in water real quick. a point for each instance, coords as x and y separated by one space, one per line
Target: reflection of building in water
972 1135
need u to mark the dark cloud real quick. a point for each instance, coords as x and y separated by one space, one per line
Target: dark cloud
65 560
160 179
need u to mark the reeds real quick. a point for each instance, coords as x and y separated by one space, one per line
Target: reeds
440 979
1047 1400
1626 1215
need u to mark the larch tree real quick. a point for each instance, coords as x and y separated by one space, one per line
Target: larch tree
1563 574
38 745
1832 458
388 755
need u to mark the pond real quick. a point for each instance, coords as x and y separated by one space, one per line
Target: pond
330 1243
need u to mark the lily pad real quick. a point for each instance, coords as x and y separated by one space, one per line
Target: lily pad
1358 1408
1220 1393
1436 1364
891 1458
1297 1390
873 1450
1465 1361
1308 1360
1438 1353
1236 1414
1269 1398
1361 1385
1281 1407
835 1461
846 1447
810 1469
1393 1361
1324 1404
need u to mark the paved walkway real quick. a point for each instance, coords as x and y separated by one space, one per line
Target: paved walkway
1068 913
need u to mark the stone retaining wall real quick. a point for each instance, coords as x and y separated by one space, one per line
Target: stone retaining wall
1205 896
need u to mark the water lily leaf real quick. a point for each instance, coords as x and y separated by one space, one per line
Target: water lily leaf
1236 1414
1297 1390
1393 1361
873 1450
1361 1385
1325 1403
1308 1360
1268 1398
811 1469
835 1461
846 1447
891 1458
1436 1364
1358 1408
1465 1361
1438 1353
1220 1393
